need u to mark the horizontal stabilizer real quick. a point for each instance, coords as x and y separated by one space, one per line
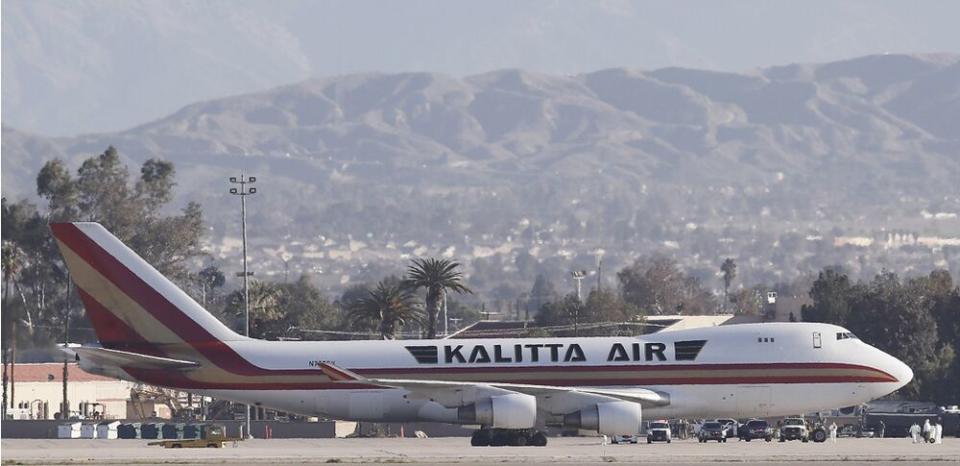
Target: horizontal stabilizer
103 357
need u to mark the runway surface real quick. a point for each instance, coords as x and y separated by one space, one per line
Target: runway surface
458 450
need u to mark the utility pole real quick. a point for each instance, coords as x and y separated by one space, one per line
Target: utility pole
243 192
65 404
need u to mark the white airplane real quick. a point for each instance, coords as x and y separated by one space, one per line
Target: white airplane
153 332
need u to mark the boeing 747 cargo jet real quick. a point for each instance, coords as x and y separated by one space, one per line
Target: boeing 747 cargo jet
151 331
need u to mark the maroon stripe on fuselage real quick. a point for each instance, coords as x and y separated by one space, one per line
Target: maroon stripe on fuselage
618 367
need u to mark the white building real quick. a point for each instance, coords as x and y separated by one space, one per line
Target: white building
37 391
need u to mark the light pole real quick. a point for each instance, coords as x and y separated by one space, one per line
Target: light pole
243 191
578 275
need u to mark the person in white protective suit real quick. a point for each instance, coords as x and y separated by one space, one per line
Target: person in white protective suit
833 432
938 432
915 433
927 430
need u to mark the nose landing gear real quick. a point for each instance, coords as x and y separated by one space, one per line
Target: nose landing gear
486 437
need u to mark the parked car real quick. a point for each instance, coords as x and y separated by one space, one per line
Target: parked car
659 431
755 429
712 430
625 438
794 428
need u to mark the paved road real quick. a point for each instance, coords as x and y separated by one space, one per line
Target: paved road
457 450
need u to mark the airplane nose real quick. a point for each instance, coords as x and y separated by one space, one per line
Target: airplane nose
901 371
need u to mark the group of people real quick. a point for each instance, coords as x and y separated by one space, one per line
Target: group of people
932 433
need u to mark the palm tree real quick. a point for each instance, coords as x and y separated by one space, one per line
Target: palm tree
266 310
390 304
437 276
729 269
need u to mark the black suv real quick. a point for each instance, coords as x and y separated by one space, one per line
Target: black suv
712 431
756 429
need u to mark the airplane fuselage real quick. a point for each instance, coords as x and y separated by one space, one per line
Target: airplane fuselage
744 371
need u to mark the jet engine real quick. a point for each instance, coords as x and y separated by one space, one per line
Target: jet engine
612 418
511 411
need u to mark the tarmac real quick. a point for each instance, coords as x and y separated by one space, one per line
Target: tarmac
450 450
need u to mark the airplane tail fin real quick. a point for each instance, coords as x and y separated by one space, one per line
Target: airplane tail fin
131 305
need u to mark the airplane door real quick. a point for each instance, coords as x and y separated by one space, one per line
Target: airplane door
817 343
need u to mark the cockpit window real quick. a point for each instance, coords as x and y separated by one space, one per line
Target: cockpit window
845 336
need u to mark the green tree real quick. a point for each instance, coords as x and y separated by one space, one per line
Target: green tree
561 312
729 269
898 320
279 310
943 297
542 292
437 276
658 286
605 306
209 279
306 308
831 296
266 312
748 301
390 306
101 191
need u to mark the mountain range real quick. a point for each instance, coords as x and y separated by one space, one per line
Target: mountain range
614 159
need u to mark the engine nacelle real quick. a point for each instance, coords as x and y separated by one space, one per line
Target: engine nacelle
511 411
613 418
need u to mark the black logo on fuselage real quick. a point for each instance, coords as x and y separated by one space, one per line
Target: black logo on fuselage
532 352
551 352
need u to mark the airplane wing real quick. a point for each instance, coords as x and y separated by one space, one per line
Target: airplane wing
435 389
105 358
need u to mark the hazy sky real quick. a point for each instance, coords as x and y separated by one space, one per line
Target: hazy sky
91 66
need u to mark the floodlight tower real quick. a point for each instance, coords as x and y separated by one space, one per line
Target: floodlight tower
578 275
243 191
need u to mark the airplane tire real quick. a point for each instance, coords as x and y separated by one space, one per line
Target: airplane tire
538 440
481 438
519 439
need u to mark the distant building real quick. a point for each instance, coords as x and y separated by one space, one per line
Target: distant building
39 392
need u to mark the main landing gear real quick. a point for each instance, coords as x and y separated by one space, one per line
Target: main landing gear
486 437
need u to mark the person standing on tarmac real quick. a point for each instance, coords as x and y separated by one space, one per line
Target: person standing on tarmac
915 433
927 430
883 427
938 432
833 432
